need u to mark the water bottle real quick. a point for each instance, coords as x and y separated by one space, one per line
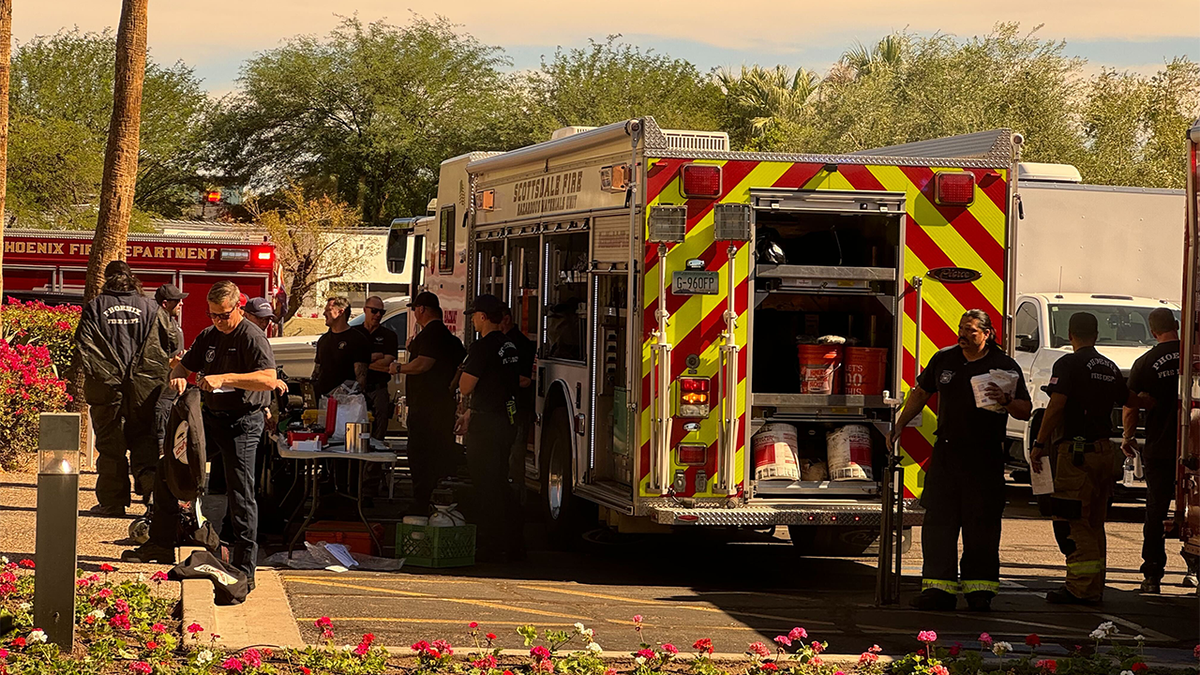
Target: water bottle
1127 481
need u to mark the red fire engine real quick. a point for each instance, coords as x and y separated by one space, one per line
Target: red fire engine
52 265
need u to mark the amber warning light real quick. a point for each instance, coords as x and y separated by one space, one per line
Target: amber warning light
693 396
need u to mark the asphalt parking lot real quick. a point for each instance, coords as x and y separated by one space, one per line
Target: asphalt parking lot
688 587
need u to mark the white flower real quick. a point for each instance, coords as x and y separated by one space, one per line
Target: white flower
589 634
37 636
347 648
1097 634
3 560
1108 628
1126 672
142 577
594 647
1140 638
204 657
97 615
1001 648
641 660
24 606
579 627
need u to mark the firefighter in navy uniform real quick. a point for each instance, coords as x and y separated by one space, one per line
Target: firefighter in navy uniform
488 420
964 480
1084 387
1154 380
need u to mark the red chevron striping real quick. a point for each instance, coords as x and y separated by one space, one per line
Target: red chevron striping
933 325
715 257
932 256
860 177
732 175
962 220
797 175
992 185
704 333
659 176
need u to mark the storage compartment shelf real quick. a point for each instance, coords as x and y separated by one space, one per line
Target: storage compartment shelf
825 272
815 401
849 488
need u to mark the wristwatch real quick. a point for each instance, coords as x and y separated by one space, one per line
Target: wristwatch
1039 444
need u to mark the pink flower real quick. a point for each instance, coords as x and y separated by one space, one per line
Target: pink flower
443 647
232 665
486 663
120 621
783 641
645 653
253 658
158 628
473 625
107 568
1048 665
818 647
195 628
420 646
759 649
867 658
323 622
985 640
140 667
539 652
637 618
939 670
104 593
158 577
121 606
927 636
670 649
798 633
815 661
3 653
875 649
362 649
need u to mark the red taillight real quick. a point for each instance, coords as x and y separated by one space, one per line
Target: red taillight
694 384
213 196
693 397
954 188
263 256
691 455
701 180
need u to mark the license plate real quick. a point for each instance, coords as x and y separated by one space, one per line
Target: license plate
695 283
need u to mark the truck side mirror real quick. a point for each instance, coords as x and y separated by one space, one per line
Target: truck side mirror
1027 343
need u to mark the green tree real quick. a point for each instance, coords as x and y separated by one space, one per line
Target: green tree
761 103
368 112
61 98
612 81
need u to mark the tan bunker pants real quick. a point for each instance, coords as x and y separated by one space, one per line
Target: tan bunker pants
1083 483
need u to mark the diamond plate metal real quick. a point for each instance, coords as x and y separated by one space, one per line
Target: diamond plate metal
789 514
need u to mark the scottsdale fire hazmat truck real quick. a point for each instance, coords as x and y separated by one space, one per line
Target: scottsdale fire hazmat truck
52 264
1187 497
723 336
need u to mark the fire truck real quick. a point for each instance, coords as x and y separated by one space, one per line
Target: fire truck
1187 497
52 265
678 294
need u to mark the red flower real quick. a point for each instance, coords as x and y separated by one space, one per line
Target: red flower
252 658
645 653
956 649
473 625
323 622
769 665
1139 667
1033 640
486 663
107 568
704 646
140 667
158 628
759 649
490 636
1048 665
368 638
27 564
152 645
232 665
158 577
539 652
420 646
120 621
670 649
305 670
195 628
19 642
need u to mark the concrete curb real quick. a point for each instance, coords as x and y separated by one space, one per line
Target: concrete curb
265 618
684 655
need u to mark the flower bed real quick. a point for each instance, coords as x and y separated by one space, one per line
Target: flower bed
124 627
28 385
36 323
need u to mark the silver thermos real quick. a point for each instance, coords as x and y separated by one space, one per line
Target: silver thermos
358 437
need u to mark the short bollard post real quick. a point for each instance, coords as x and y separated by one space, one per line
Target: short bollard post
57 520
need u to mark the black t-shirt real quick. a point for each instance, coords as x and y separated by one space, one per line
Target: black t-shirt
337 353
494 360
526 351
382 341
245 349
1093 386
167 392
949 375
1157 373
431 389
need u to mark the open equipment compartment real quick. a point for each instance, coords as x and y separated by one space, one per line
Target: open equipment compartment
825 329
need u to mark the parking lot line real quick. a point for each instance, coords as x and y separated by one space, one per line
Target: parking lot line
435 598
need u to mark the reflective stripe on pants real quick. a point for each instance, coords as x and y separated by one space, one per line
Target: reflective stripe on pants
976 585
1084 491
950 587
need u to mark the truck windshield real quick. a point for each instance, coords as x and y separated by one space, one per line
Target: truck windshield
1120 326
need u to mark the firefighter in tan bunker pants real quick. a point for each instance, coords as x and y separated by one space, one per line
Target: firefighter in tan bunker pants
1084 388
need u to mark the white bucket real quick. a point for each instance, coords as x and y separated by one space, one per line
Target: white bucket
775 452
849 449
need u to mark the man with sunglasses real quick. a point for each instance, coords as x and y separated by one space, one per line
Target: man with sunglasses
384 346
235 370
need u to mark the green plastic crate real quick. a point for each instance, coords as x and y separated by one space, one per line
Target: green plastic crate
423 546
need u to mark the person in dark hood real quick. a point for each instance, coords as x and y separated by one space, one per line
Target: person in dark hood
123 346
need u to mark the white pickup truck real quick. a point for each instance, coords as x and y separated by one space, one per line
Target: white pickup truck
1040 339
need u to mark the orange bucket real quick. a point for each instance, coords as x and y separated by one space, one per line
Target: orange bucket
866 370
819 366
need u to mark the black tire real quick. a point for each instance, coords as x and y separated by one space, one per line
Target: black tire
836 541
566 516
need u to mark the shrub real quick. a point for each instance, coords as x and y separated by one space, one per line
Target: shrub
28 385
36 323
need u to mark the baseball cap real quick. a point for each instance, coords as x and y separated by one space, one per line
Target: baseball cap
488 304
168 292
426 299
260 307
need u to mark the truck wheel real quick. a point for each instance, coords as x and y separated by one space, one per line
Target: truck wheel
565 514
840 542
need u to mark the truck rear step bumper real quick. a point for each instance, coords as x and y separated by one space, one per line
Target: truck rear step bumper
849 515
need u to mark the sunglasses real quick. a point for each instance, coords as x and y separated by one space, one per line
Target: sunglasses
222 316
374 310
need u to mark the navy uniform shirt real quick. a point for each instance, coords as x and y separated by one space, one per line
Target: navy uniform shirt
493 359
243 350
337 353
431 390
1157 373
382 341
1093 386
948 375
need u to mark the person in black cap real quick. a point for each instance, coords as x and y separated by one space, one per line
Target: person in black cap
260 313
488 411
170 298
434 355
123 346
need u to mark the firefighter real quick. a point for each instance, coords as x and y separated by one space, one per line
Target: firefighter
1154 381
235 370
123 344
170 298
964 484
342 353
384 346
487 418
526 350
434 355
1084 387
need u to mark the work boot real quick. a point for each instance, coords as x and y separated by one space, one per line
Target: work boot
112 511
933 600
149 553
1189 580
1061 596
979 601
1151 586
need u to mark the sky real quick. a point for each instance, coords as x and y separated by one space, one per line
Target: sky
216 36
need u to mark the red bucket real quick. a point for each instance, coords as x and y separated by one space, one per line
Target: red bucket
819 366
866 370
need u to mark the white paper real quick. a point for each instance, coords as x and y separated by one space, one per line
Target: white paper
1043 481
224 390
342 554
1006 380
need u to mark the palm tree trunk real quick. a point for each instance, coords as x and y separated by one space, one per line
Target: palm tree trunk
5 57
121 154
